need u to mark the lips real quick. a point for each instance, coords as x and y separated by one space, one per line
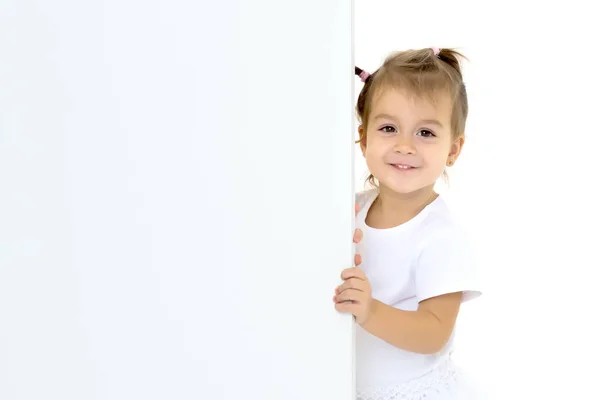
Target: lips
403 167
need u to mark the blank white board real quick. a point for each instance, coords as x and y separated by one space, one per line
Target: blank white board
176 199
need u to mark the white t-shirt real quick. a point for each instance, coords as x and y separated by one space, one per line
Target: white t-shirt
422 258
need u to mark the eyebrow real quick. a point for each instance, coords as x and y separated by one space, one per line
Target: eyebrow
424 121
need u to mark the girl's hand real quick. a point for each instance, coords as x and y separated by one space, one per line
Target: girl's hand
354 295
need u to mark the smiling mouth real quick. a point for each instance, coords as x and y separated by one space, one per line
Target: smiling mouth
403 167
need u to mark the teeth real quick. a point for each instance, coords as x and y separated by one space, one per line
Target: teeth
402 166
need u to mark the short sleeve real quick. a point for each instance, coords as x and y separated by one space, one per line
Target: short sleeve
446 264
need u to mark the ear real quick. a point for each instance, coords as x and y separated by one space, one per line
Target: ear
455 150
362 139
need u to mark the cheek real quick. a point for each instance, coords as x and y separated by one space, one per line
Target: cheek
374 151
435 157
376 145
375 161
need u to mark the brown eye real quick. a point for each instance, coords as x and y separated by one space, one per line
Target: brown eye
388 129
426 133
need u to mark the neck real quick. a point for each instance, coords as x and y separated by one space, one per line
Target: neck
401 207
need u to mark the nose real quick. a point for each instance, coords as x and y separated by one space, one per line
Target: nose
404 145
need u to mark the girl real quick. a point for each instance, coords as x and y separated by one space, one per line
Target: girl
416 266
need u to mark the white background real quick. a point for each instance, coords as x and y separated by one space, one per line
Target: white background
104 291
176 200
526 183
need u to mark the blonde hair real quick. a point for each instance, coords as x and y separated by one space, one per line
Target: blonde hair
424 73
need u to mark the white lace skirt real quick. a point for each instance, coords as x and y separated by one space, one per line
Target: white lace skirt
446 382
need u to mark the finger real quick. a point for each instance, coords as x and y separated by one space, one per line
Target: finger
350 308
358 235
356 209
355 272
335 300
352 283
353 295
357 259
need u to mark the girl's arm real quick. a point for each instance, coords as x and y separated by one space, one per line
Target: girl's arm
425 331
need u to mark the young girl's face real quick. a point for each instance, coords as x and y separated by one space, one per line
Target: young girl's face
409 140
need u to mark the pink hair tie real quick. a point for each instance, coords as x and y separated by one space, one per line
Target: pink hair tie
436 51
364 75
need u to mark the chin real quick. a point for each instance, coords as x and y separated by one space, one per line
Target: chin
405 186
404 189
